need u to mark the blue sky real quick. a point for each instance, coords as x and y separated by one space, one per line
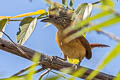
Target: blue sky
43 39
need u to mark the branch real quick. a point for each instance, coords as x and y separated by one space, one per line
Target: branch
14 44
44 73
96 2
110 35
24 70
47 61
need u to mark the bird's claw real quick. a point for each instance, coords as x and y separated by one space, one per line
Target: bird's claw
55 57
76 66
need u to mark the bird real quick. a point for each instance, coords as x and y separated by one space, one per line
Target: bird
77 48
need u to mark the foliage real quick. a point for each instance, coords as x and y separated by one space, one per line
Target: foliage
84 10
27 26
2 26
25 14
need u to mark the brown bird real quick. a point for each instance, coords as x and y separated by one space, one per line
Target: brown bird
76 49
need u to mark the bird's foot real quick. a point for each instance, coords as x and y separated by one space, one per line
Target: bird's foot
59 58
76 66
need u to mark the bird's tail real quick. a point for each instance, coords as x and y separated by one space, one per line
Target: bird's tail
93 45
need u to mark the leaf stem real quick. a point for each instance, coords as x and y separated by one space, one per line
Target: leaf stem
18 47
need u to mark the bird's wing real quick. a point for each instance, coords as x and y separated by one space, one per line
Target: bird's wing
85 43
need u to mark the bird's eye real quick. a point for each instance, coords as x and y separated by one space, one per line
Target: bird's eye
53 9
55 18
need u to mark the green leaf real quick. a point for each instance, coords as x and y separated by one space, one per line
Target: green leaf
27 26
71 3
117 76
55 5
108 3
86 21
35 60
2 26
108 58
77 10
53 78
38 12
95 27
78 73
64 2
48 2
84 10
14 78
100 15
44 14
88 10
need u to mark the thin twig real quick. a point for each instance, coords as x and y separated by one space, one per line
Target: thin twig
59 74
23 70
110 35
44 73
15 20
15 45
96 2
37 71
47 76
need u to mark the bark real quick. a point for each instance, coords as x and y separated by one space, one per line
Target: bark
48 61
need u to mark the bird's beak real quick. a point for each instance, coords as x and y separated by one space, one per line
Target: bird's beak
46 20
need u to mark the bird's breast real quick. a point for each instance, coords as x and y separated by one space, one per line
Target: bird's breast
73 49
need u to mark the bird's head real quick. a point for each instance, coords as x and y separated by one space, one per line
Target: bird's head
59 16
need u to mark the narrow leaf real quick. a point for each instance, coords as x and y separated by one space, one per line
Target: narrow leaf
2 26
48 2
64 2
30 14
41 16
84 10
88 11
27 26
71 3
15 78
79 72
77 10
117 76
25 14
31 72
53 78
86 21
108 58
108 3
96 27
